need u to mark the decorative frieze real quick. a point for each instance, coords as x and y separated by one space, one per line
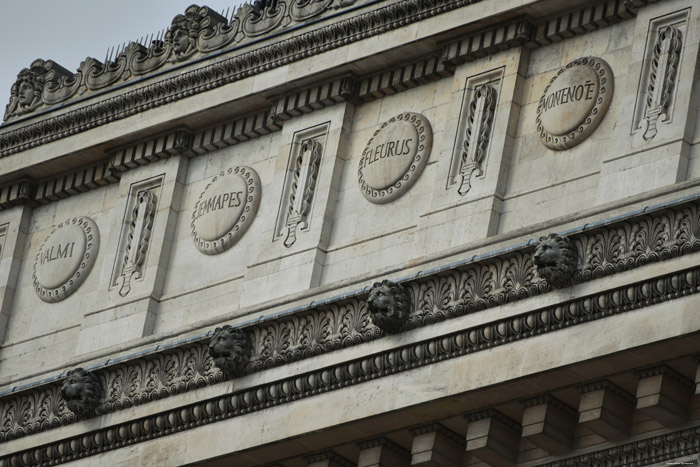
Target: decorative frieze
466 288
233 132
487 42
313 98
150 150
574 102
74 183
16 193
65 258
225 209
395 157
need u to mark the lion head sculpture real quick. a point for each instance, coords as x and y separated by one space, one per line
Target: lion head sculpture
229 349
82 392
555 258
388 304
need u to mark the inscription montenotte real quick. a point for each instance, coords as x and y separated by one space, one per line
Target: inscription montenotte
225 209
574 103
394 157
65 258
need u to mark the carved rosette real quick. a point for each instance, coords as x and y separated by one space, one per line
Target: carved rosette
395 157
389 304
65 258
574 103
225 209
556 258
229 348
481 115
664 68
82 392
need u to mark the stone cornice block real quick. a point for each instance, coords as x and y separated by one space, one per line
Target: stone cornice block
76 182
664 395
382 452
435 445
327 459
493 437
178 142
549 423
17 193
233 132
606 409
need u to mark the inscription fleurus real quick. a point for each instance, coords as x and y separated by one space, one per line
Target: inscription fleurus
225 209
394 157
574 103
65 258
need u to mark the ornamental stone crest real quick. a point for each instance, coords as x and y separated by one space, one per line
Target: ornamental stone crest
65 258
574 103
394 157
225 209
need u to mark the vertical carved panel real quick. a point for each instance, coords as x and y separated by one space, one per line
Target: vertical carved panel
474 129
303 185
481 112
664 67
300 182
139 235
660 71
135 235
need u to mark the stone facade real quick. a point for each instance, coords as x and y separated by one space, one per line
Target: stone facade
359 232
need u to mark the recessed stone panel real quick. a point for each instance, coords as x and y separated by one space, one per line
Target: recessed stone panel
395 157
65 258
574 103
225 209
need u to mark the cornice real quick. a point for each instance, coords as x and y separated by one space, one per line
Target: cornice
566 315
507 277
345 31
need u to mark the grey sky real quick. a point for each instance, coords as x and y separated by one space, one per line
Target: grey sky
68 31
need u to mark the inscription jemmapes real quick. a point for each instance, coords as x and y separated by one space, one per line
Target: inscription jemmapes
388 149
574 93
225 200
59 251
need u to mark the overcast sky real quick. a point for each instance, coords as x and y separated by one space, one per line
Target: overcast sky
68 31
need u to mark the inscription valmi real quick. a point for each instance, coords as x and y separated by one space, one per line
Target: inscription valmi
65 258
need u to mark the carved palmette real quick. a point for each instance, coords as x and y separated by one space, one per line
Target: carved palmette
139 236
481 113
664 68
302 192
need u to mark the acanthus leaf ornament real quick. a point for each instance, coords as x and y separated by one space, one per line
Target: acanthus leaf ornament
303 186
476 142
664 68
139 237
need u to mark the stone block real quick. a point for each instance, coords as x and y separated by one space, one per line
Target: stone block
436 446
664 395
549 424
382 452
606 409
493 437
327 459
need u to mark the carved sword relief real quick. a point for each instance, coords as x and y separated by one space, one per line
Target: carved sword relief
664 66
139 236
476 140
303 185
